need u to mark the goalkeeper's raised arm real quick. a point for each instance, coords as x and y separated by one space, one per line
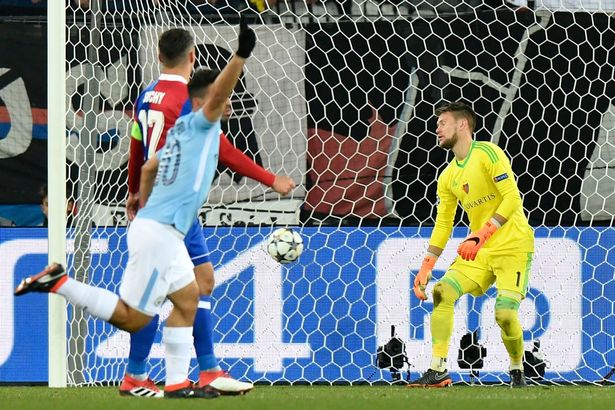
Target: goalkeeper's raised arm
498 250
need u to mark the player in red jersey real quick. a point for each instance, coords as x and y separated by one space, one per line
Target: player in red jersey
156 110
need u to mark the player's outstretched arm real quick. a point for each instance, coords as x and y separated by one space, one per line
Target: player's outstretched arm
224 84
239 162
283 184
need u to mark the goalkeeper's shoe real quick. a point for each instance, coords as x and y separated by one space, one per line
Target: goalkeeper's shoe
187 390
48 280
517 379
432 378
224 383
139 388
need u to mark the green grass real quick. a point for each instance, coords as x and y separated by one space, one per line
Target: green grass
324 397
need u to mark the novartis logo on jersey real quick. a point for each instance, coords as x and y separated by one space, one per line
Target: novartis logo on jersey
480 201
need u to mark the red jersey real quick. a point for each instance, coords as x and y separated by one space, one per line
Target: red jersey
156 110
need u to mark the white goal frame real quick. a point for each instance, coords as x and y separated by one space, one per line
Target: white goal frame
56 152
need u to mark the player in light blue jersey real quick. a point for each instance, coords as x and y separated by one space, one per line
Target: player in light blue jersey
156 111
186 165
159 266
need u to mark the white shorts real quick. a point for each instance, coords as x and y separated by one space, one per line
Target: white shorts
158 265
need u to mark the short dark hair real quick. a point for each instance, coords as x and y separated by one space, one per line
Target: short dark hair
459 110
174 45
201 79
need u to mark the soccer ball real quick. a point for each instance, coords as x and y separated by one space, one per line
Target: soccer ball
285 245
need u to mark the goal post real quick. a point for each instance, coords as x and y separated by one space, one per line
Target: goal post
344 105
56 177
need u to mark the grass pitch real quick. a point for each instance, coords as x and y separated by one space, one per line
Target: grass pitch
324 397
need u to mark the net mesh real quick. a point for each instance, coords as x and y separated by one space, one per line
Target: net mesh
340 96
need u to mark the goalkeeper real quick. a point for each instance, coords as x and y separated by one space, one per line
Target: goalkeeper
499 248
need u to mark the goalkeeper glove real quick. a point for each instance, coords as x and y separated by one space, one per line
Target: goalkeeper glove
424 276
472 244
246 39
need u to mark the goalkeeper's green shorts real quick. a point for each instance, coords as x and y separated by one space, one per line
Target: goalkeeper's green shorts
508 271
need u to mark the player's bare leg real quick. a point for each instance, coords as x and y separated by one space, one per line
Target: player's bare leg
53 279
98 302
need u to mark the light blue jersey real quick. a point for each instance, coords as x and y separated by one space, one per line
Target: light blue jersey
186 170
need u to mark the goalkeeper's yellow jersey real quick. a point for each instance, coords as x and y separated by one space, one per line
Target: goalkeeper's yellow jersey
484 184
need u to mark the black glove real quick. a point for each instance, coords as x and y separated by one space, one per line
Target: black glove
246 39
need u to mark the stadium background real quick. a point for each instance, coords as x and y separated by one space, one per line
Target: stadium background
377 168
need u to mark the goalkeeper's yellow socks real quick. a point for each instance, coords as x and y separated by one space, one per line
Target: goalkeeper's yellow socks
512 334
514 347
444 297
517 364
438 364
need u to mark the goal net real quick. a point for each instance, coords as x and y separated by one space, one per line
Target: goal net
342 99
